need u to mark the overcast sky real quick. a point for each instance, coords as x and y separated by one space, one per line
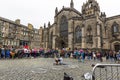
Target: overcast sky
38 12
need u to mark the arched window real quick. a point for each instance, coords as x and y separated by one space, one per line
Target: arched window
51 38
115 28
78 35
63 27
64 31
89 35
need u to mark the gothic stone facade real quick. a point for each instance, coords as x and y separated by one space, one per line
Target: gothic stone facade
88 29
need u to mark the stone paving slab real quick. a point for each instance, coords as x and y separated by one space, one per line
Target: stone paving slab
42 69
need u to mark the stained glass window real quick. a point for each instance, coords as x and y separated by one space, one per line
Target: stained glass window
78 34
63 27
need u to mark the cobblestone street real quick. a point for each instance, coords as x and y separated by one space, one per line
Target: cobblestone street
42 69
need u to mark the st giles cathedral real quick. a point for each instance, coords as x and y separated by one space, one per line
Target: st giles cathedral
86 29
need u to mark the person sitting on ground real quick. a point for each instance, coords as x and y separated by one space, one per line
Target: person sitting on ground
56 61
59 61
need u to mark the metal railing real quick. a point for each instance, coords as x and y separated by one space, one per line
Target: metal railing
106 72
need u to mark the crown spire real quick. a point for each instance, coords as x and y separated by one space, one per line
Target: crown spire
71 4
44 25
56 11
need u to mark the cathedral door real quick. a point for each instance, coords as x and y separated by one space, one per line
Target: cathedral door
60 43
117 47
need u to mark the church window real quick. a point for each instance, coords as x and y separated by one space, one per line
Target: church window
89 35
115 28
78 34
89 5
63 27
51 42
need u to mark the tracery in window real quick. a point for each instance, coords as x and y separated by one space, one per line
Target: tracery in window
63 27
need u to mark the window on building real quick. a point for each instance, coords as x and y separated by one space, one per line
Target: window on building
63 32
115 28
51 38
78 35
63 27
89 35
26 33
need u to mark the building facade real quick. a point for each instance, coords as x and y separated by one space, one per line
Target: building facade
12 33
88 29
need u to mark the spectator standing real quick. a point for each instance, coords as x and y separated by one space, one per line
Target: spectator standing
94 55
7 53
2 52
111 55
82 54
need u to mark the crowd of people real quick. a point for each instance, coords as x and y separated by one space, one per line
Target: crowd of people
80 54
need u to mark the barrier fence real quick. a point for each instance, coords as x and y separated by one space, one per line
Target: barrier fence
106 72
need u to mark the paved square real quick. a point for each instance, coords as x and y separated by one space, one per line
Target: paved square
42 69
